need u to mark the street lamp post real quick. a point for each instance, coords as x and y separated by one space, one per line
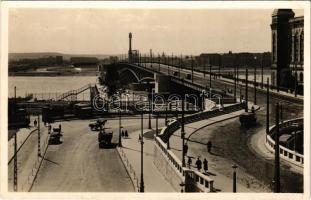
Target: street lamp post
191 69
120 125
219 71
166 114
296 82
276 153
150 108
183 131
234 167
268 106
142 186
159 62
235 83
157 126
39 139
255 83
261 60
210 75
246 91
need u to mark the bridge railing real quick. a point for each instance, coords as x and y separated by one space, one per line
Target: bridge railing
202 182
175 124
285 153
74 92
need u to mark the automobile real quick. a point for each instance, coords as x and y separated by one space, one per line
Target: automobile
248 119
104 138
55 137
97 125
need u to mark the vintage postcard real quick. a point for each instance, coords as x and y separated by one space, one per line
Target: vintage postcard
172 100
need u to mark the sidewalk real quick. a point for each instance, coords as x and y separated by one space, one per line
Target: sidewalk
27 156
153 179
222 183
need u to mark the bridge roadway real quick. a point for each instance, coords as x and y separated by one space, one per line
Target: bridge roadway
234 145
78 165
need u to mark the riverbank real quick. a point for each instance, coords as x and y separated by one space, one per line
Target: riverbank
53 73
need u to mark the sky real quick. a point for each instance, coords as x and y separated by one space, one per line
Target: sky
105 31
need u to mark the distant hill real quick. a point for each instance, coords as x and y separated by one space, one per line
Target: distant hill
18 56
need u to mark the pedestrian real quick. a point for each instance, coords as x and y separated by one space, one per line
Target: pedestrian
35 123
185 149
60 128
253 109
205 165
198 163
209 146
126 134
50 128
122 133
189 162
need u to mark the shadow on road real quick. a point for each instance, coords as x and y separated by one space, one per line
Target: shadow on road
50 161
108 146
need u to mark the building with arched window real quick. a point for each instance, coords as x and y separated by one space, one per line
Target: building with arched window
287 49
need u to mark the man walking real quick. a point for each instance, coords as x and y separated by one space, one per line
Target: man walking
205 165
126 134
189 162
185 149
209 146
198 163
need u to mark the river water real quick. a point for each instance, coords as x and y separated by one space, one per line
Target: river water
46 85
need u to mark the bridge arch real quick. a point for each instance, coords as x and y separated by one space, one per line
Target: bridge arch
128 75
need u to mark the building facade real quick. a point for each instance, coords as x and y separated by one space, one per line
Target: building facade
287 32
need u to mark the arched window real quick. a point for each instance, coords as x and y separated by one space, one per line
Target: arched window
301 46
301 76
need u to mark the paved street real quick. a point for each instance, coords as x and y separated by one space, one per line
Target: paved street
79 165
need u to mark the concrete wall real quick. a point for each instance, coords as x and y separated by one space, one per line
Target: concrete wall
166 169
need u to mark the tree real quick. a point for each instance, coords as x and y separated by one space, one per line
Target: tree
112 79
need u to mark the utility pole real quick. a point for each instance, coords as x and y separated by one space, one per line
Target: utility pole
191 69
183 132
159 62
296 79
39 140
268 105
234 167
261 60
255 84
142 186
166 115
120 127
157 126
150 108
15 153
235 83
219 71
210 75
246 92
276 153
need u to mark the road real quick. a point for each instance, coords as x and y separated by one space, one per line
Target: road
78 165
232 140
